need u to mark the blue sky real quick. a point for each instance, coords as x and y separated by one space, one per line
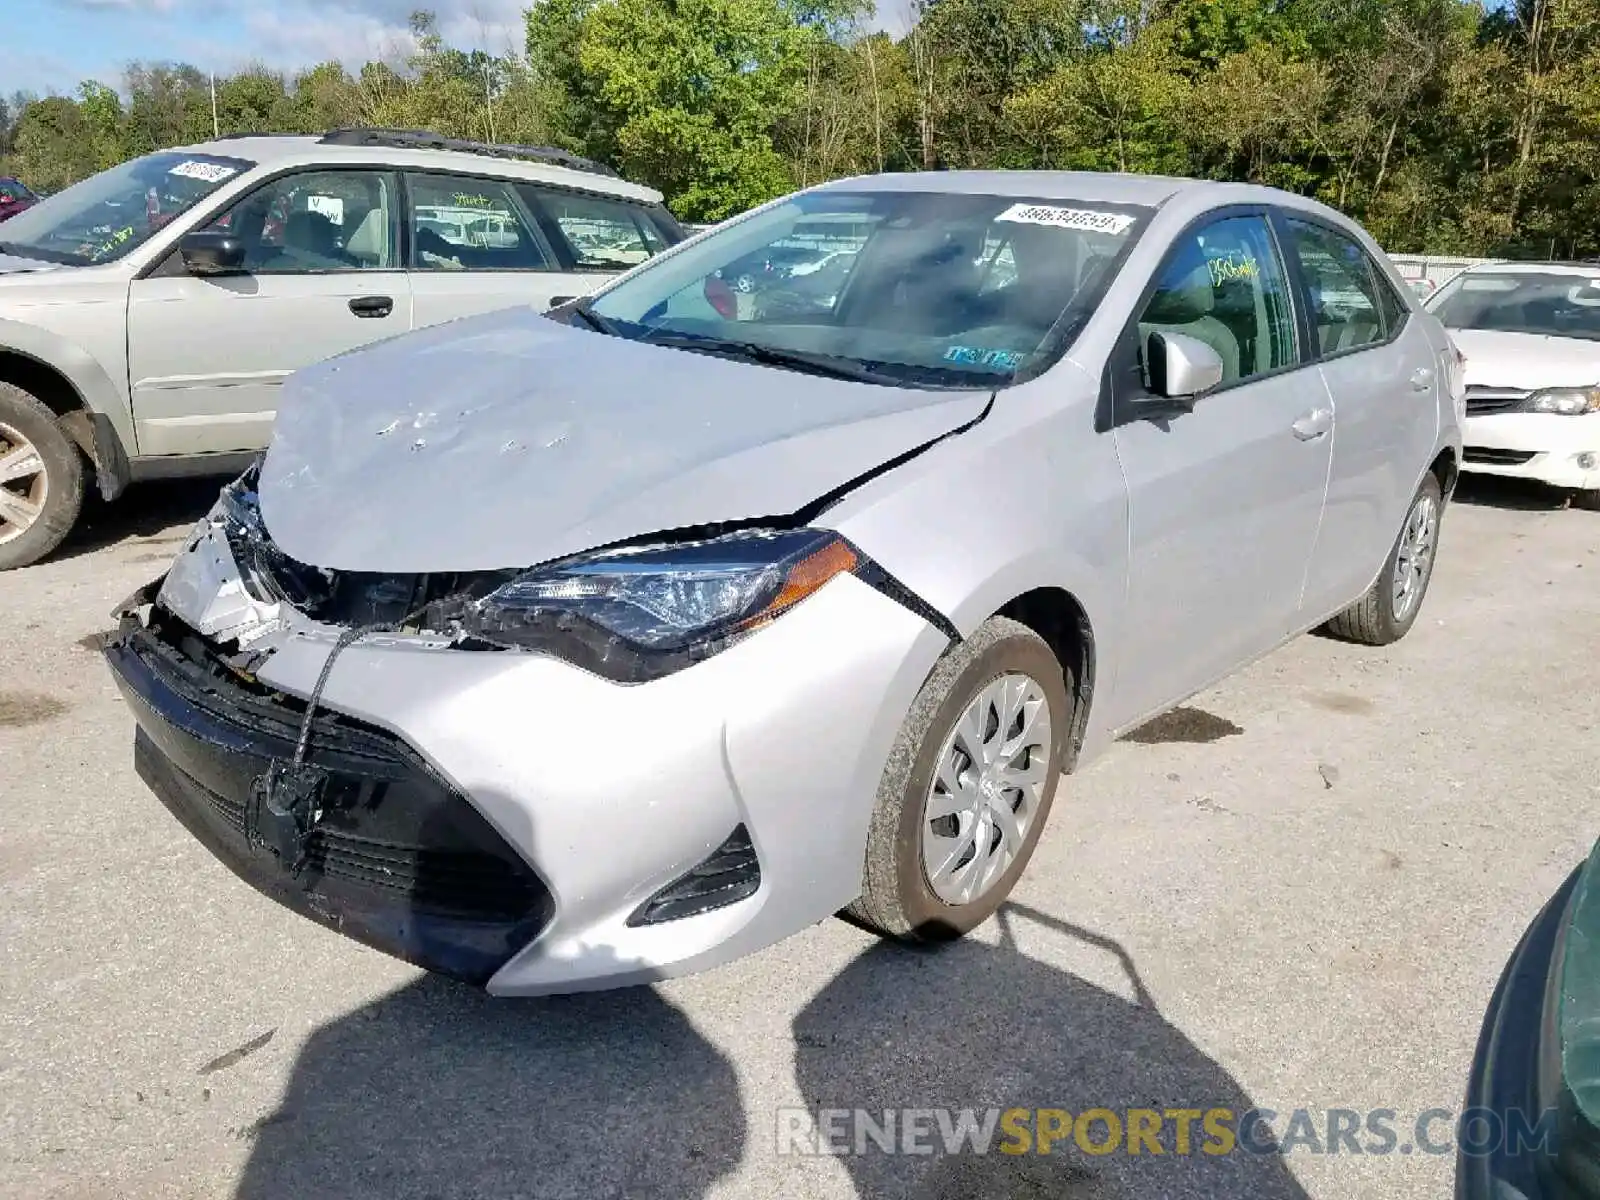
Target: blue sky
51 45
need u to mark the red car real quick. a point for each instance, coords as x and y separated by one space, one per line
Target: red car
14 197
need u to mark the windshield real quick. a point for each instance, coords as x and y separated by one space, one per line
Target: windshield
905 288
1550 303
108 214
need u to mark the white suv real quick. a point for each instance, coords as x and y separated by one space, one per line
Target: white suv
149 313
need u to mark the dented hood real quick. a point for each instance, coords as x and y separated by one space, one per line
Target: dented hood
508 440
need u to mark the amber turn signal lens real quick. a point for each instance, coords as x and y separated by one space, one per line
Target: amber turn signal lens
805 577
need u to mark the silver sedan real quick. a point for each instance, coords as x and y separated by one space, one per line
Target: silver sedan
562 651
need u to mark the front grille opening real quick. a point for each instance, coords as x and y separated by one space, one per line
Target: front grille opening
731 873
1498 458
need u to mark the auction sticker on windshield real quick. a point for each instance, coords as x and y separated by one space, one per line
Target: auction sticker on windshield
204 171
1091 220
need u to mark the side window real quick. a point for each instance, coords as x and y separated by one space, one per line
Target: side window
1226 286
1390 304
464 224
603 235
1343 289
317 221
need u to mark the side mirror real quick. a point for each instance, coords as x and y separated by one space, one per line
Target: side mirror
1181 367
212 252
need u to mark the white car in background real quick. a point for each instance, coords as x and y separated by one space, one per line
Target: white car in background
1530 333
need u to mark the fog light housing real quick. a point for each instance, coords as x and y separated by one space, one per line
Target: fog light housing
1586 461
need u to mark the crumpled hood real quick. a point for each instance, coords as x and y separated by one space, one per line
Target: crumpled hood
1526 361
510 439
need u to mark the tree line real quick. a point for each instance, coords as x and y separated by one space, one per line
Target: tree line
1446 126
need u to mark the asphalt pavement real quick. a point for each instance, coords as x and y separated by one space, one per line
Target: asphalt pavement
1294 893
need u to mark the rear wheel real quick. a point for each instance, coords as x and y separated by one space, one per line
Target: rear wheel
1389 610
1588 498
968 787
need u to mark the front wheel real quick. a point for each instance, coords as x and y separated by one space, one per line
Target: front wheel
968 786
1389 609
41 480
1586 498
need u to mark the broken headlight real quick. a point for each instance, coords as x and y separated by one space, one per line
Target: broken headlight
642 612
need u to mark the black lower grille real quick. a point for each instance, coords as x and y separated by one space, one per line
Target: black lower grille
1501 458
401 860
1483 402
731 873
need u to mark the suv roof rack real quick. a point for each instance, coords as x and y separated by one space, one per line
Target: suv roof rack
423 139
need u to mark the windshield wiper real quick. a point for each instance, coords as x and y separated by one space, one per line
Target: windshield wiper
593 319
794 360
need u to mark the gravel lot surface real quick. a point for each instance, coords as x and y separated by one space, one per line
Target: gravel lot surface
1298 891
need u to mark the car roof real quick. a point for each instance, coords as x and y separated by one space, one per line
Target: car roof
1093 187
291 150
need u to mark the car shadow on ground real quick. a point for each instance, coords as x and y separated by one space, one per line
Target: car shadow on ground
970 1025
441 1091
144 511
1499 491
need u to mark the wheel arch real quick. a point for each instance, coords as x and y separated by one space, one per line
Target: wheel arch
1059 617
68 381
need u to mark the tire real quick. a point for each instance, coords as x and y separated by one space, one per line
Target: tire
55 489
1586 498
1373 620
898 896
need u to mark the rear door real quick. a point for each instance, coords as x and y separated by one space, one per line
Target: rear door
206 355
475 246
1382 376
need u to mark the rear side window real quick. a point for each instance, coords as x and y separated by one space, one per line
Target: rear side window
1351 306
459 223
601 234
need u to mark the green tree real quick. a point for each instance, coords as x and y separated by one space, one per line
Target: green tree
693 90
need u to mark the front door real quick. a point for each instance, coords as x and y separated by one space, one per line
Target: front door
206 355
1224 500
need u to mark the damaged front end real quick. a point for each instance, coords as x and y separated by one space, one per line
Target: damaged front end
333 817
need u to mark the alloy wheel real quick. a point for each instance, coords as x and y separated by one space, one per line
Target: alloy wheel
24 484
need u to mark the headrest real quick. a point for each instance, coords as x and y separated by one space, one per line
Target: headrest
371 238
1191 299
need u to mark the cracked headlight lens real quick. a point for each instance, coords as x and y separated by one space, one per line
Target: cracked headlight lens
640 612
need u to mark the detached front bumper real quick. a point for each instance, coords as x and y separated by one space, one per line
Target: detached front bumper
403 863
1551 449
586 802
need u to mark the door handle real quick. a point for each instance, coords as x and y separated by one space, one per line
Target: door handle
1422 379
1314 424
372 306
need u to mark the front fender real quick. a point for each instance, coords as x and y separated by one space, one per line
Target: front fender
107 434
1029 498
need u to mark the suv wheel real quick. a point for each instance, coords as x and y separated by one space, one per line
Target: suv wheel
41 480
968 786
1389 610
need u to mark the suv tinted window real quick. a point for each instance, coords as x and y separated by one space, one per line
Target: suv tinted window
464 224
1346 303
1226 286
605 235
